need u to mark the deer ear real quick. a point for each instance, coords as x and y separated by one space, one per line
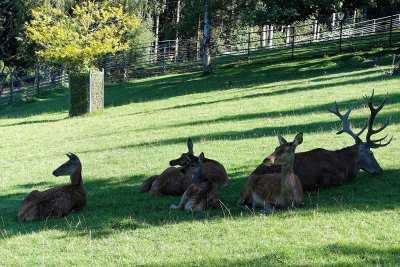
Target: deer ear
281 140
201 157
190 145
298 139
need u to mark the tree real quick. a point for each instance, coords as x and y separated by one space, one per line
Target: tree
91 30
14 52
206 57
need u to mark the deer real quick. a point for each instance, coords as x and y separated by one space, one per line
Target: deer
319 168
201 194
58 201
213 170
280 190
177 178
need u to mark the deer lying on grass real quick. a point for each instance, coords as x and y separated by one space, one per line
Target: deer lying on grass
281 190
175 180
58 201
324 168
201 194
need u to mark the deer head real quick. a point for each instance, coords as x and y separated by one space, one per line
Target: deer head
284 153
197 169
70 167
186 158
365 158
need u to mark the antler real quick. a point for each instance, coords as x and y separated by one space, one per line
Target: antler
346 128
374 111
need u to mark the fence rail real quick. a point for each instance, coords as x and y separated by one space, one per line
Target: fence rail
295 41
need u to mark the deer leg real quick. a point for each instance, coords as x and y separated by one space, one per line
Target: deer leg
267 210
182 202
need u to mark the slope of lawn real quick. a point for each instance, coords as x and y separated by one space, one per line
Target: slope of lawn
233 116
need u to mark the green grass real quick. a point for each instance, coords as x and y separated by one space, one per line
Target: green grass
233 116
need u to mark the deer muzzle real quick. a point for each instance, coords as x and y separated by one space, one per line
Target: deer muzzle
269 161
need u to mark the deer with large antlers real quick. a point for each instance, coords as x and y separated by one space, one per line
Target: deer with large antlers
175 180
58 201
325 168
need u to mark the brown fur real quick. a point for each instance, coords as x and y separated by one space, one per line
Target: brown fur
269 189
172 182
202 193
175 180
55 202
199 197
321 168
281 190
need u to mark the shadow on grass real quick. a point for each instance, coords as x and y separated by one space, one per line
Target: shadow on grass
333 255
366 256
47 102
227 77
114 204
343 105
292 89
321 126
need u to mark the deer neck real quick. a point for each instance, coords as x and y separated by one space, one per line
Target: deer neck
76 178
287 171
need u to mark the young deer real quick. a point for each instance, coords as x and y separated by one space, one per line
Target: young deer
281 190
175 180
58 201
212 169
201 194
324 168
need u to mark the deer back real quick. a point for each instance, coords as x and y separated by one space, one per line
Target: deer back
320 168
54 202
173 182
215 172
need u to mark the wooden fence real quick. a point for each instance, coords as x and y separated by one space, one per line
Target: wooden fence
294 41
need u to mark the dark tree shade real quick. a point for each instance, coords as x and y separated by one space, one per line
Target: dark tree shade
15 52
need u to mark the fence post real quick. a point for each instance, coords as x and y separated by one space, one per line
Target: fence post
270 36
374 27
37 78
293 39
163 59
341 36
11 89
391 31
248 45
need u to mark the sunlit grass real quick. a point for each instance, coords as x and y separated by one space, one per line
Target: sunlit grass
233 116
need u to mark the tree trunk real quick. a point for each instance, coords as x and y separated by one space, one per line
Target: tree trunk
206 41
157 29
178 15
198 45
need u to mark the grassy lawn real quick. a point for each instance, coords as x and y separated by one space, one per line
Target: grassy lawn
233 116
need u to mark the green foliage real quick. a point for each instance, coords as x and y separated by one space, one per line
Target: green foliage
15 52
77 39
141 36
